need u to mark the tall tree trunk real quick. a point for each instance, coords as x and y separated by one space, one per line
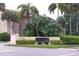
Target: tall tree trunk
57 12
77 24
22 25
37 30
13 28
8 26
63 29
19 29
70 26
28 13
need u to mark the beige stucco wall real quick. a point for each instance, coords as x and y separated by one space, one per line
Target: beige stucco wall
3 25
15 37
33 38
6 26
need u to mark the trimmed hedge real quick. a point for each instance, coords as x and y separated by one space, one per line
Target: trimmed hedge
4 36
55 42
25 42
70 39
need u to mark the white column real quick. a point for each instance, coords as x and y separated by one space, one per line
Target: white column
14 37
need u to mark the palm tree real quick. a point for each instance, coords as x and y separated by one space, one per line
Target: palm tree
25 13
8 15
71 8
27 10
52 7
60 7
66 8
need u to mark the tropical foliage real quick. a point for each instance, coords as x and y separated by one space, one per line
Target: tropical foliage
42 26
10 15
70 11
65 22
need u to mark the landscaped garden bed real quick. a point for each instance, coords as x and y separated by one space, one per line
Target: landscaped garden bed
65 42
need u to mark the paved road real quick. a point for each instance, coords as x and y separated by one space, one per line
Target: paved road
24 51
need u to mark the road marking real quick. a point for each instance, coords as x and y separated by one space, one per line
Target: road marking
7 51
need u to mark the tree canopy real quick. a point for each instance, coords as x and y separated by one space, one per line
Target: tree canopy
42 26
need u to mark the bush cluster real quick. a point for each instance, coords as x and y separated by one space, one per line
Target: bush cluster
4 36
55 42
25 41
70 39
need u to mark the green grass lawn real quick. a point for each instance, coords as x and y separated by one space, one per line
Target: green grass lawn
49 46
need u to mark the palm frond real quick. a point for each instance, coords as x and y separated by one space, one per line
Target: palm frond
34 10
52 7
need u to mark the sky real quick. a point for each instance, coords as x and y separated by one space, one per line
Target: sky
42 5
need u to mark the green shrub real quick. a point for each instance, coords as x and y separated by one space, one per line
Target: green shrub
55 42
0 36
70 39
25 42
4 36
